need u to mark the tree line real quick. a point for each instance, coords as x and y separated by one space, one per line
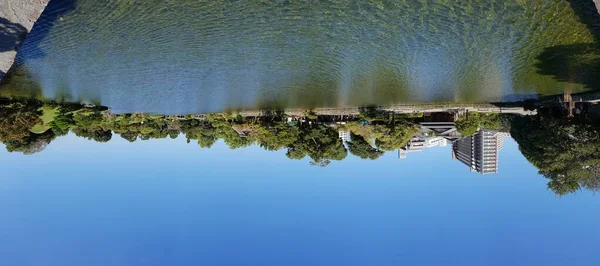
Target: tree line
565 150
302 137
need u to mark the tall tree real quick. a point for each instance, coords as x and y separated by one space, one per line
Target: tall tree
468 124
276 136
393 136
565 151
18 118
361 148
321 143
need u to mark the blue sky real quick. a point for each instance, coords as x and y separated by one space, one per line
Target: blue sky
166 202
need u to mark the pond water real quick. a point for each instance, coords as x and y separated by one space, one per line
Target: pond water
200 56
291 132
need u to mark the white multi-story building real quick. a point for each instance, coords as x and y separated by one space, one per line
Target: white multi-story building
419 143
480 151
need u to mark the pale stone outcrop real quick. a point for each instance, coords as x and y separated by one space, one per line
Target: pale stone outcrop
16 20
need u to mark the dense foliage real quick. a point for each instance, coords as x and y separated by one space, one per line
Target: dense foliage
311 137
361 148
321 143
471 122
565 151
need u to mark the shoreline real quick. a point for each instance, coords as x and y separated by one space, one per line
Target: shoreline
518 108
396 109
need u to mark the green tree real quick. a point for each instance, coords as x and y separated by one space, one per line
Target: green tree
202 131
129 136
393 136
232 138
31 144
18 118
276 136
62 123
321 143
95 134
361 148
565 151
468 124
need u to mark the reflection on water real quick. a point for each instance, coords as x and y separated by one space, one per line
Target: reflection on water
198 56
565 150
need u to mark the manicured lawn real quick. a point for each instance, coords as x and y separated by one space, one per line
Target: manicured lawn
47 118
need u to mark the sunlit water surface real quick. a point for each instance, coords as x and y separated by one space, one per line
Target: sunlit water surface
198 56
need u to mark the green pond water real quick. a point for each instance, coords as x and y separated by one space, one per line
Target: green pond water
200 56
